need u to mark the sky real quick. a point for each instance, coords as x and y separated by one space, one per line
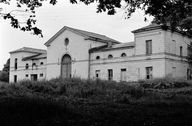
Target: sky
52 18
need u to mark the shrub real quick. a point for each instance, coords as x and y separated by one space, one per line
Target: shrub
164 83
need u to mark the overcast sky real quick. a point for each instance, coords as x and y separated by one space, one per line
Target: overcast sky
52 18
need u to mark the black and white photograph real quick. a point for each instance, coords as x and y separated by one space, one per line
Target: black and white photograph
96 62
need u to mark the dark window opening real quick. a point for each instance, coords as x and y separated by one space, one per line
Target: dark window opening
181 51
27 66
98 57
15 78
15 63
41 63
26 75
110 74
41 75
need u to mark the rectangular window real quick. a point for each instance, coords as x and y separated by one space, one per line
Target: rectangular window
148 47
110 74
15 63
181 51
189 73
123 74
149 72
15 78
189 51
173 47
41 75
174 72
97 73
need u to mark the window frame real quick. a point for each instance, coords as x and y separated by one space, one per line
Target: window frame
181 51
149 72
110 74
26 66
148 47
97 73
16 64
110 56
123 54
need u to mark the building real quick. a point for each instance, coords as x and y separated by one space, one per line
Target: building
154 53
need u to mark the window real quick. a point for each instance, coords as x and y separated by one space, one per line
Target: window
110 56
189 51
41 63
189 73
26 75
174 72
110 74
149 72
173 47
27 66
97 57
34 65
66 41
123 55
41 75
148 47
123 74
97 73
15 78
15 63
181 51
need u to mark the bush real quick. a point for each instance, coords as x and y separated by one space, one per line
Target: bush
4 76
164 83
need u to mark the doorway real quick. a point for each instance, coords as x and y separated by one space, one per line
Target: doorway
34 77
66 66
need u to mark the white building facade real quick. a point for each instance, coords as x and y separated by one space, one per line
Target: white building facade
155 53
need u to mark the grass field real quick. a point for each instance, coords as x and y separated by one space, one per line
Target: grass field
74 102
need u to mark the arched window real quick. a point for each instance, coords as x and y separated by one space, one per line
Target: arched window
110 56
41 63
97 57
27 66
123 55
34 64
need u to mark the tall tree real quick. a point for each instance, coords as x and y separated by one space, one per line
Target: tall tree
175 13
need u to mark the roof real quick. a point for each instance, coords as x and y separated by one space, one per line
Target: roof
152 26
88 35
27 49
113 47
36 57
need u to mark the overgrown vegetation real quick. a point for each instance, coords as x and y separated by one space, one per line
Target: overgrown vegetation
96 102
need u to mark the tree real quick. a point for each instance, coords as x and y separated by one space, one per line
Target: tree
175 13
4 74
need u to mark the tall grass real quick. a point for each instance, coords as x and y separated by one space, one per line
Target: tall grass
98 90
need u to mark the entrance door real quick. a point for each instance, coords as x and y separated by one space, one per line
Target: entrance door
123 75
34 77
66 66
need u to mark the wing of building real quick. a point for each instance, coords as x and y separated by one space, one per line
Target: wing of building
155 53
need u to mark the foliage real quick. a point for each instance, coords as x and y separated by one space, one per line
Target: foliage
93 102
4 76
175 13
165 83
